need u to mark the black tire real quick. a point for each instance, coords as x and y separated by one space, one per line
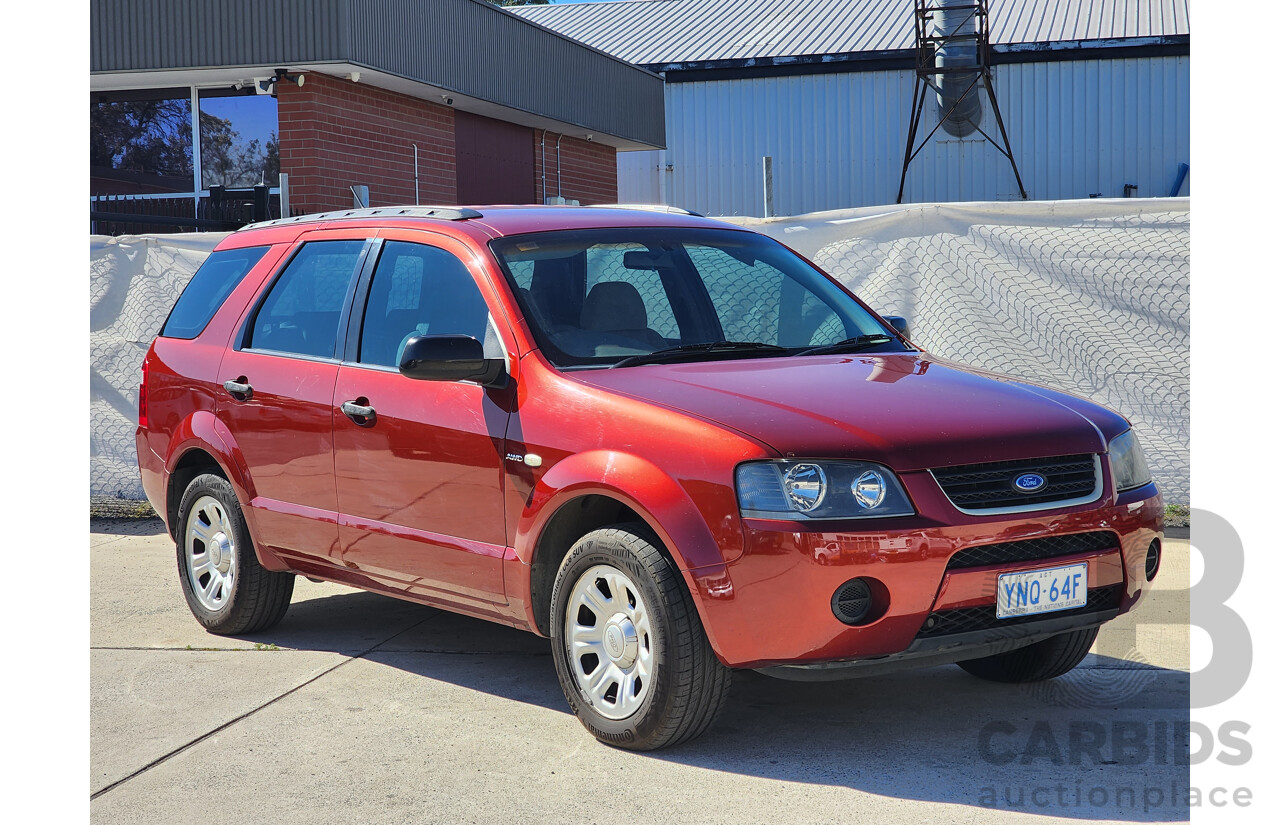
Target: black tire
1035 662
688 686
257 598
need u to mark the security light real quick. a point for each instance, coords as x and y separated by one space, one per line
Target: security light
268 86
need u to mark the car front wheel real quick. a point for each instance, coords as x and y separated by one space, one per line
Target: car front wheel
630 651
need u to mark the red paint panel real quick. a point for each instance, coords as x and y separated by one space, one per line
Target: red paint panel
285 435
420 488
785 579
907 411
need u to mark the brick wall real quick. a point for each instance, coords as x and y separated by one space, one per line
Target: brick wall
335 133
589 170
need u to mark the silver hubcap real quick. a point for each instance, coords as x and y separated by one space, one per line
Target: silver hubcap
210 551
610 641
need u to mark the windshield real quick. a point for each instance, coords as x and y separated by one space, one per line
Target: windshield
600 297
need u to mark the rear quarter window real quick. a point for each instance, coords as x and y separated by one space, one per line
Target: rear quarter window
220 273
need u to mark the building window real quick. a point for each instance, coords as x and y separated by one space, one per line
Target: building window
140 142
239 144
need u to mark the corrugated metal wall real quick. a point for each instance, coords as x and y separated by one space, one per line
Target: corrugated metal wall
682 31
478 49
136 35
467 47
1077 128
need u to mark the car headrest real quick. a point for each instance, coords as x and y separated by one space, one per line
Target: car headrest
614 306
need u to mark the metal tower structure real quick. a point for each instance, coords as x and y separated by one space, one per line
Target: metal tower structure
953 59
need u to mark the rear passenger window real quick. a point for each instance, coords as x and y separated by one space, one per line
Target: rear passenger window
220 273
421 290
300 315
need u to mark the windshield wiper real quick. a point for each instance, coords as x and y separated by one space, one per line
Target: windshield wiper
853 344
711 347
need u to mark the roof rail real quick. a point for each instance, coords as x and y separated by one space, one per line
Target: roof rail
442 213
648 207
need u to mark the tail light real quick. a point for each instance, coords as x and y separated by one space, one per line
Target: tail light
142 397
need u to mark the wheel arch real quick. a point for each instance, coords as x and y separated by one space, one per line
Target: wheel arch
578 495
195 461
202 443
574 519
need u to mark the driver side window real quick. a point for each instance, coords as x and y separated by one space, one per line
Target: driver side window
421 290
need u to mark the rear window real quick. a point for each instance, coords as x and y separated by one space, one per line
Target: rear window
208 288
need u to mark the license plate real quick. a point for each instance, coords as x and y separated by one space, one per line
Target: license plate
1042 591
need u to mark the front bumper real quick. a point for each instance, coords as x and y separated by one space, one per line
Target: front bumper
945 650
771 608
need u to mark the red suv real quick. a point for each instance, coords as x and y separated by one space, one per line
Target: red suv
672 445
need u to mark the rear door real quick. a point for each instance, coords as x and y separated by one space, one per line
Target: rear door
420 480
276 392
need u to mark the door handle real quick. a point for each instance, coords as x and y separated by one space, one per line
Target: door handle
240 388
359 413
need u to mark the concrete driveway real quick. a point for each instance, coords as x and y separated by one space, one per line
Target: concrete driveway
361 708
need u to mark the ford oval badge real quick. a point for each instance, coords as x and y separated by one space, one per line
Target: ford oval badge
1029 482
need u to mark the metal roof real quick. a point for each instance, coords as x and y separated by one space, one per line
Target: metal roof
491 62
660 32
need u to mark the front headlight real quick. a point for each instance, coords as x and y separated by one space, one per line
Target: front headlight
1128 467
820 490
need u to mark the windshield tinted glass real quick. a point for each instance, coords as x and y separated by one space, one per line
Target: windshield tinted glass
594 297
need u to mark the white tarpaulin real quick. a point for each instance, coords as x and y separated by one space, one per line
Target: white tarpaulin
133 282
1090 296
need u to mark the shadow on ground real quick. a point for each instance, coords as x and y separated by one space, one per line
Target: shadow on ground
126 527
1099 743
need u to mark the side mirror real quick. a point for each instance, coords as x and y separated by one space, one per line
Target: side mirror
451 358
900 324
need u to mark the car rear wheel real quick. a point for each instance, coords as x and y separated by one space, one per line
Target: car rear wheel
630 651
1035 662
226 588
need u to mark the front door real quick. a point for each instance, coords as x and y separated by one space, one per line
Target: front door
420 479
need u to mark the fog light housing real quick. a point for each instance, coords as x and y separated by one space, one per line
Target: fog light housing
852 601
1153 559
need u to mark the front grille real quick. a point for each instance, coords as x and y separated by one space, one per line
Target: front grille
1049 547
966 619
990 486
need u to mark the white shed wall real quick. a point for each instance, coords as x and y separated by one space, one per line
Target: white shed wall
1077 128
